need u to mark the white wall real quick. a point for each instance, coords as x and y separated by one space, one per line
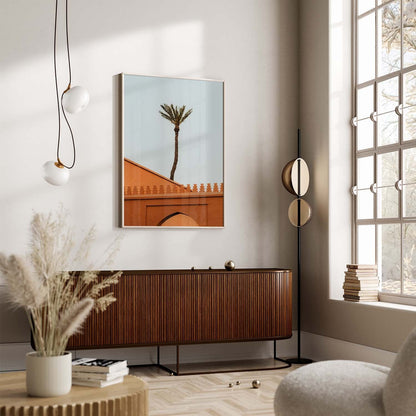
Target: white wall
250 44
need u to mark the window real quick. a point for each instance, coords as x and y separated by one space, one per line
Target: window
384 120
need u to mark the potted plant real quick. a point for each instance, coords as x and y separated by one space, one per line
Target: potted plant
57 301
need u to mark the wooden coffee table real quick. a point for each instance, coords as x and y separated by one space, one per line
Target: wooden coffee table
129 398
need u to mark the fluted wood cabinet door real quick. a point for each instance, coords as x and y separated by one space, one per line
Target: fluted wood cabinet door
187 307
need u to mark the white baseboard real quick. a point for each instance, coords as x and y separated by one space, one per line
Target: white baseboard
316 347
12 356
320 348
196 353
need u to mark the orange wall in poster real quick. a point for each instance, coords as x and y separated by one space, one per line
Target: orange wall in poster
151 199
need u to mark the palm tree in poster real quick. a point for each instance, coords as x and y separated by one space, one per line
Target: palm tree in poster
176 116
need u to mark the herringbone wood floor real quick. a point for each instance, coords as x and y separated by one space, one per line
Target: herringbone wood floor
209 394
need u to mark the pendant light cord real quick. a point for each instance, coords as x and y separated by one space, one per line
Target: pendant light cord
67 44
56 78
59 99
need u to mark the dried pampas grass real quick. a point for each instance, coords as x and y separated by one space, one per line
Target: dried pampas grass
57 300
25 287
72 320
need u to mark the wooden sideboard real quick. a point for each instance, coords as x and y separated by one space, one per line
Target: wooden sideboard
176 307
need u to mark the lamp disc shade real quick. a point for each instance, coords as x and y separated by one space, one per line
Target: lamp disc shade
75 99
54 174
295 177
299 212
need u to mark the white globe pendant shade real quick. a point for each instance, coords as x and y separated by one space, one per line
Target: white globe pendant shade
55 174
75 99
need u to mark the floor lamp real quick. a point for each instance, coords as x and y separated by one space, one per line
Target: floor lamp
295 178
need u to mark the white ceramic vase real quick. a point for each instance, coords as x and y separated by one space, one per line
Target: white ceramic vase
48 376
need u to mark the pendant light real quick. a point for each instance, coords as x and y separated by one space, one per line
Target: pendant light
72 100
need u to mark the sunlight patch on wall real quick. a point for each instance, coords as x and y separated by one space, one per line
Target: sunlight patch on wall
174 50
339 144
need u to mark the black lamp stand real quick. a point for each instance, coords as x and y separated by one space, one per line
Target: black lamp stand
299 359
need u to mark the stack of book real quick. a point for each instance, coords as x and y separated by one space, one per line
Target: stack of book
361 283
95 372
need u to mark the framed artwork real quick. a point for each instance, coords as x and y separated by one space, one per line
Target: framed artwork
172 151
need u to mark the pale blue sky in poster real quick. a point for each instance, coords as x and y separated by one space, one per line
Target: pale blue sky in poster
149 139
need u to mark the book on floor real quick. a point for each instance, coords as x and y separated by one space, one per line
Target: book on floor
96 383
99 376
97 365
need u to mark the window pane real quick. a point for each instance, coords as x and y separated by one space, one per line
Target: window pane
365 205
365 134
365 5
409 87
387 129
387 202
366 48
365 172
409 177
365 101
409 35
389 257
366 240
387 95
409 259
409 165
387 168
409 123
409 200
389 28
409 114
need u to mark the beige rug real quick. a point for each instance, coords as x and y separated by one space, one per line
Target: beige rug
209 394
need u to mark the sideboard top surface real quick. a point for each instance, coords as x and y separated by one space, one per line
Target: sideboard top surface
204 271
